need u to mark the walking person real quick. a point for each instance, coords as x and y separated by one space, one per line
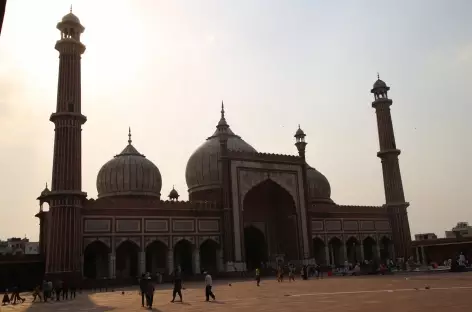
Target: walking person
149 293
65 291
291 273
73 289
143 282
177 285
258 276
16 295
58 289
208 286
37 293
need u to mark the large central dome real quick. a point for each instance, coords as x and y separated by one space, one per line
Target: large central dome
129 173
203 170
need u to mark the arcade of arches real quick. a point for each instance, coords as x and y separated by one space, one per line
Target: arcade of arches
129 260
270 225
336 252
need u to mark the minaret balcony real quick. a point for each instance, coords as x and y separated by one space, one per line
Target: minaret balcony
388 152
68 115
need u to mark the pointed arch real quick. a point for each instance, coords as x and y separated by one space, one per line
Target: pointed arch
127 240
335 245
183 255
319 250
127 264
156 256
273 209
370 248
96 259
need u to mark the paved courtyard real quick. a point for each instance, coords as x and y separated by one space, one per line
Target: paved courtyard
447 292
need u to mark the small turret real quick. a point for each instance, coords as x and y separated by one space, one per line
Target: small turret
173 195
43 198
300 142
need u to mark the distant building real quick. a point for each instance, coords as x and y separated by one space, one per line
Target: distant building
425 236
462 229
18 246
4 248
31 248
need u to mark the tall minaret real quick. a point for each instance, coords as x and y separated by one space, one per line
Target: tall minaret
394 196
65 245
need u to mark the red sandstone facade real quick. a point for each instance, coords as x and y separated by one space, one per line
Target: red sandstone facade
245 207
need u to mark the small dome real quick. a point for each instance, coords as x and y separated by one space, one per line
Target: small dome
70 18
173 194
129 173
318 185
379 84
46 191
203 169
299 132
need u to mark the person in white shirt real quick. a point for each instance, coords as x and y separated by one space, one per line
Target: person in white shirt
208 285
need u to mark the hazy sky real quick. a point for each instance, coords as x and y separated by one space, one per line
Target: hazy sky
163 67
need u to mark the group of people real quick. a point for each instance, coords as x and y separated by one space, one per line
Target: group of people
304 272
46 291
14 298
147 288
54 291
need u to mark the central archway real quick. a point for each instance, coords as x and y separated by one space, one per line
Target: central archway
255 247
270 225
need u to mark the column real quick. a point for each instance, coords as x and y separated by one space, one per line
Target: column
142 262
362 253
377 250
327 255
111 265
219 260
82 264
196 261
345 252
417 249
170 261
423 256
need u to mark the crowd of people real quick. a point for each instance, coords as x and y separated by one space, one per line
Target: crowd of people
47 291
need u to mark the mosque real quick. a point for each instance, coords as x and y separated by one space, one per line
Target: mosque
246 208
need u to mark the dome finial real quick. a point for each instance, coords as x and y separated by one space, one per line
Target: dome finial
46 185
129 136
70 8
378 76
222 110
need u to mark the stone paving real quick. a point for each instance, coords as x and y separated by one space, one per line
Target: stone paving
447 292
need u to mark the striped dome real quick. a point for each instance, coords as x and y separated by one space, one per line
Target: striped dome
129 173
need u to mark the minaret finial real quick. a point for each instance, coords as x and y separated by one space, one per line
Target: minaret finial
298 126
71 8
222 110
46 185
378 76
129 135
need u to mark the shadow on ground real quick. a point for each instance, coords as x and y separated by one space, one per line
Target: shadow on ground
81 303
